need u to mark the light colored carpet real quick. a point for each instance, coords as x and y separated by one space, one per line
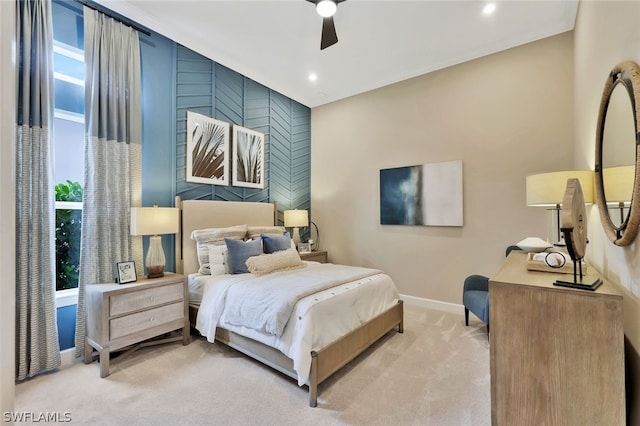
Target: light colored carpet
435 373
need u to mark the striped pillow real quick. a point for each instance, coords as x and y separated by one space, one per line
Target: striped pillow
214 236
255 231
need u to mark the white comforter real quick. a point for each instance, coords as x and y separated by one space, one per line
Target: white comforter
316 320
265 303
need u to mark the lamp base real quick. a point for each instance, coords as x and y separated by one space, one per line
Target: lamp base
296 237
155 271
155 258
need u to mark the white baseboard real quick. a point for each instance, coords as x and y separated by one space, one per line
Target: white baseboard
451 308
68 357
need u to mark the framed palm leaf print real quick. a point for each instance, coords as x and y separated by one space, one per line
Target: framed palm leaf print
248 158
207 150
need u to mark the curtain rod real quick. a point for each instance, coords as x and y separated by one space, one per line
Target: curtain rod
110 14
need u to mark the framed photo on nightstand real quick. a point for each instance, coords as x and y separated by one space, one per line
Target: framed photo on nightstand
126 272
304 248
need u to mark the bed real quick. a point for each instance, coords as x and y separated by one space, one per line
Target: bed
310 360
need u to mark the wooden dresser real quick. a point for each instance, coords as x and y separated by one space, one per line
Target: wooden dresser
121 315
557 354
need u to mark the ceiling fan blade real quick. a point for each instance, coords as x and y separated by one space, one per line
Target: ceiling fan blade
329 36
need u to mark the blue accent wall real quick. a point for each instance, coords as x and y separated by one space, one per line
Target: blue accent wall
158 160
66 317
208 88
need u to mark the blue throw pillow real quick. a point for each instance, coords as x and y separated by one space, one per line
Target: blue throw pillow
273 243
239 251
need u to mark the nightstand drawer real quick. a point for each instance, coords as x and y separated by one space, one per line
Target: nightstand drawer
144 320
130 302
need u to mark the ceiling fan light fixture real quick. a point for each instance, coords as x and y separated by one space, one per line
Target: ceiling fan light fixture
326 8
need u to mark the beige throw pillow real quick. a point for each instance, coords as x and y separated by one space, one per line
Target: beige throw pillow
273 262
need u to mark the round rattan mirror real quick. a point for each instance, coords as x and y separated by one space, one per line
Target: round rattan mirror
618 140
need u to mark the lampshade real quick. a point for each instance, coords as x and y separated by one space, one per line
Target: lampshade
547 189
296 218
618 183
326 8
154 220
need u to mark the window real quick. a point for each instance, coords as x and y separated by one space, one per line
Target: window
68 139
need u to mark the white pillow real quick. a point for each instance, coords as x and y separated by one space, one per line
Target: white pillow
214 236
218 259
277 261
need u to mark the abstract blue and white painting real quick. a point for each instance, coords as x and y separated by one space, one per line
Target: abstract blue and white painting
429 194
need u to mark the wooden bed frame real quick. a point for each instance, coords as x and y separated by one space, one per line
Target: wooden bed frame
201 214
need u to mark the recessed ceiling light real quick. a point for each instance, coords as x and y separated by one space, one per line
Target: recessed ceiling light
313 77
489 8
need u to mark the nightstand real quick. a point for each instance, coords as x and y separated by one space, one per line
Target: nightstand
123 315
316 256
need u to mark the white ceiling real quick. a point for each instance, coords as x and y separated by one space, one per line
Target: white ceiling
277 42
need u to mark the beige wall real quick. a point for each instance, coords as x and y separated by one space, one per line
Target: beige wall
505 116
606 33
7 207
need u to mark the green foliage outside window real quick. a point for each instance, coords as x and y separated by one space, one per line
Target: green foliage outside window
68 227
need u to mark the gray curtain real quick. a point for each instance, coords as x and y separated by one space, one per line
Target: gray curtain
37 346
113 151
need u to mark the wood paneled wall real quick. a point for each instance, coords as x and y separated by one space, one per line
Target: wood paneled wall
209 88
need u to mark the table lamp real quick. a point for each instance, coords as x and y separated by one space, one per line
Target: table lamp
154 221
296 219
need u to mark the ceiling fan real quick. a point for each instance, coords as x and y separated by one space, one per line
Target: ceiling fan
326 9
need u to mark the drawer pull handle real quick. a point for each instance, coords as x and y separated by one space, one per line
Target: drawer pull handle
151 319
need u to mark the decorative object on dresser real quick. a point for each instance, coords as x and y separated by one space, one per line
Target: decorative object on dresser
533 245
315 256
552 261
574 228
296 219
547 190
618 130
429 194
556 353
154 221
126 317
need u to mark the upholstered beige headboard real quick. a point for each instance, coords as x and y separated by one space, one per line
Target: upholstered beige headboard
202 214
